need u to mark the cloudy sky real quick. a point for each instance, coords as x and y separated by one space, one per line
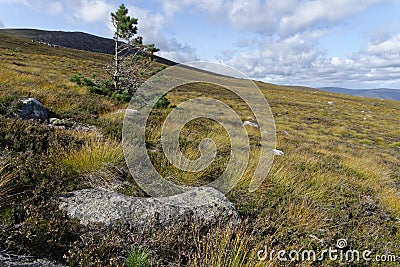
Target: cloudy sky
348 43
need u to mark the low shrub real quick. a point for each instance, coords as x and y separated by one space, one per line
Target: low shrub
94 86
137 258
163 102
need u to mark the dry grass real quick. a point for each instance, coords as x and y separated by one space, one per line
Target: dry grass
5 187
223 247
94 155
368 174
99 162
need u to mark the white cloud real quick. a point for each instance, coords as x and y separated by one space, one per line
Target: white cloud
87 11
274 16
241 14
150 26
173 50
170 7
281 56
55 8
90 11
24 2
299 60
321 13
76 11
251 14
385 47
50 7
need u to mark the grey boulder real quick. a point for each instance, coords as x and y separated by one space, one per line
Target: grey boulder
135 213
30 108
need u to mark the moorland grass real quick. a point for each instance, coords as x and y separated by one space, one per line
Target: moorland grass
339 177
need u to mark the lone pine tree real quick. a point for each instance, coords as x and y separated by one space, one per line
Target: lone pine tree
131 57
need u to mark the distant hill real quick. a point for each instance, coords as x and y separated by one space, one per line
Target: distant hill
75 40
381 93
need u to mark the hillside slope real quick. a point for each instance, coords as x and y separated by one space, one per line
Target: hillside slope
339 177
75 40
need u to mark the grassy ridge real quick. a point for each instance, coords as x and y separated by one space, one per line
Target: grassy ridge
339 178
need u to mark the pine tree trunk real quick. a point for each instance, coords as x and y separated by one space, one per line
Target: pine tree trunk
116 72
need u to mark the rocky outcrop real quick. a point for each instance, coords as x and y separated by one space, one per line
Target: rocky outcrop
30 108
99 206
66 124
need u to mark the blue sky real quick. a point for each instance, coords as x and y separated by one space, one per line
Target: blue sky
347 43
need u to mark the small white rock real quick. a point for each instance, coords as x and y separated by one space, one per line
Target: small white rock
278 152
331 102
28 100
127 111
251 124
132 111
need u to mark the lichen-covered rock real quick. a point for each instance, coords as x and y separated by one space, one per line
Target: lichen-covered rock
99 206
66 124
30 108
59 122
